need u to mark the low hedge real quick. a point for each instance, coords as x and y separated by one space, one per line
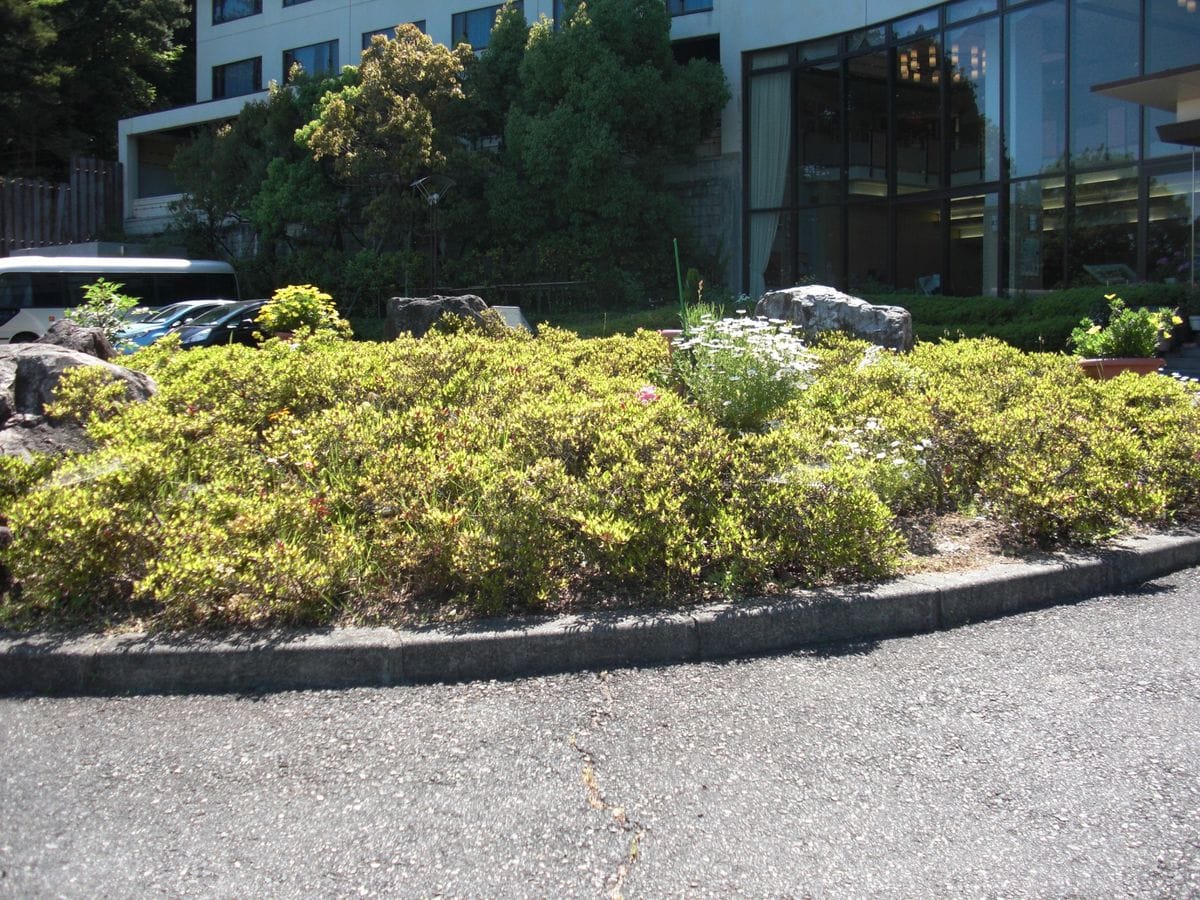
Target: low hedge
472 474
1033 323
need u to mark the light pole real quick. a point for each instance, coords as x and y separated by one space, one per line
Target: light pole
433 188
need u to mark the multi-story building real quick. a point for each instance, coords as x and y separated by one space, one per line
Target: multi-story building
959 146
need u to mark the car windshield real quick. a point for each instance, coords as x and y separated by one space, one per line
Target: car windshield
166 314
221 313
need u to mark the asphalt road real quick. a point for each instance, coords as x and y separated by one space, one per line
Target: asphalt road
1049 754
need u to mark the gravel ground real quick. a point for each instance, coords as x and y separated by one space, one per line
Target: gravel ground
1049 754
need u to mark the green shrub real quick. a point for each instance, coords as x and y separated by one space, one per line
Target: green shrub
19 475
1033 323
470 473
85 393
300 306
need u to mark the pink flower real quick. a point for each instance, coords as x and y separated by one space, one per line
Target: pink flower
647 394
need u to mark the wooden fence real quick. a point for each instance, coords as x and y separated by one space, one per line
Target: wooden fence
36 213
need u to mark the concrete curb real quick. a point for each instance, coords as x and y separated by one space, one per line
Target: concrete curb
377 657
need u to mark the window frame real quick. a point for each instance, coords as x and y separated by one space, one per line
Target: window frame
257 64
457 17
220 4
287 67
686 8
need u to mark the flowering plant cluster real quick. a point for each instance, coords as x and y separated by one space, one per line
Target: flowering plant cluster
302 306
742 370
1129 333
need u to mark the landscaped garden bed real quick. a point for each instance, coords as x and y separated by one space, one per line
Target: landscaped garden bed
468 473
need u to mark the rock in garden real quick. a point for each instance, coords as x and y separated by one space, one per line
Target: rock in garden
416 315
29 374
817 309
91 341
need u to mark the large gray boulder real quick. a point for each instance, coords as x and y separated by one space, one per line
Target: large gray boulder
816 309
416 315
91 341
29 375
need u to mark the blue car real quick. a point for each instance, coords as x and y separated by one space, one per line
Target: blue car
154 324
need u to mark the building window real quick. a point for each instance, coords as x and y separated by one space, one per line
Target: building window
293 2
973 94
228 10
389 33
237 78
315 59
475 27
962 149
683 7
1035 88
1104 47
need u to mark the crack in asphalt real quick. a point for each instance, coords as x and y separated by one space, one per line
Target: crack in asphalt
596 799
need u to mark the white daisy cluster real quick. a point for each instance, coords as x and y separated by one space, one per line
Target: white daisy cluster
869 441
743 370
773 344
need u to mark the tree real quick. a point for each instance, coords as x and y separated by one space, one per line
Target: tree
383 129
492 82
558 143
30 76
72 68
600 112
252 172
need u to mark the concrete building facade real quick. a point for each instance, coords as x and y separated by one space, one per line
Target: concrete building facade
956 147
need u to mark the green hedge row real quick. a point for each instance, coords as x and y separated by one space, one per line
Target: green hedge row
1032 323
469 473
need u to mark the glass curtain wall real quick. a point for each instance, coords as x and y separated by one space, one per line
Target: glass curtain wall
962 149
973 95
1172 251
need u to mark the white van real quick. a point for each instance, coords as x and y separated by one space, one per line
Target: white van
36 291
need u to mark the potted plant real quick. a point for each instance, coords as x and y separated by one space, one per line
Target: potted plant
1193 312
1128 343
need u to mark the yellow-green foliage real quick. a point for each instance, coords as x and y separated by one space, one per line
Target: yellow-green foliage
300 306
85 393
286 483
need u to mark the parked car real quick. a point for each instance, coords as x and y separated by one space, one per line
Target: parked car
232 324
147 329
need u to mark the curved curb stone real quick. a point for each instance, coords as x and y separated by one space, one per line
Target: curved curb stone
52 664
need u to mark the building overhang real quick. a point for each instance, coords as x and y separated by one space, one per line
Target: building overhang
1176 91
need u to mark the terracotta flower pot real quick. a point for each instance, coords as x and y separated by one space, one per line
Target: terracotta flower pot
1110 368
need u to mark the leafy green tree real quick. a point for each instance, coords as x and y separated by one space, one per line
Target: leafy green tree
30 76
600 111
383 129
492 82
252 172
72 68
